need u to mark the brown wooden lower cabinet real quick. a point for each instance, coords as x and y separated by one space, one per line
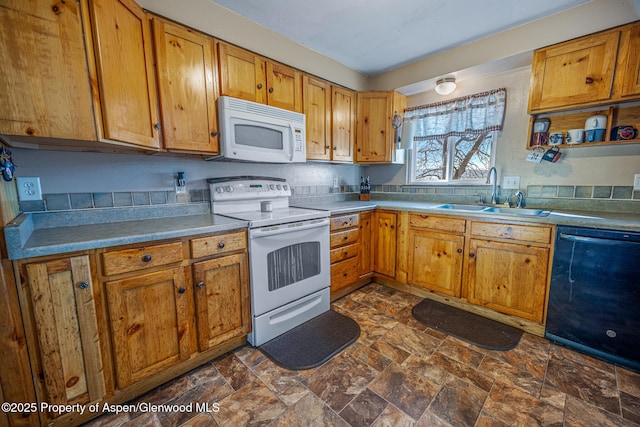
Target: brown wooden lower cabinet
384 242
366 249
436 261
70 359
222 299
508 277
149 323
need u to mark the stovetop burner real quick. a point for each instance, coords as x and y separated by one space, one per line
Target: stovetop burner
241 198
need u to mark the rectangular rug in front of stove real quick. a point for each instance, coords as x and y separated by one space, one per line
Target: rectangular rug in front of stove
314 342
469 327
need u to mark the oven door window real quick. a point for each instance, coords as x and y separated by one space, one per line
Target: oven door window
291 264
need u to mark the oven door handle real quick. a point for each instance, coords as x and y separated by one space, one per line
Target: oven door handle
270 231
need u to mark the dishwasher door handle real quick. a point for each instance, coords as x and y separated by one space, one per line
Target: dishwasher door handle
598 240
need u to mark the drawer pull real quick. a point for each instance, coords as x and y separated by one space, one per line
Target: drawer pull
471 255
201 285
459 250
221 245
146 258
182 290
84 285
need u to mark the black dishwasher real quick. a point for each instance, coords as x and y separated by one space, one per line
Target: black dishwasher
594 296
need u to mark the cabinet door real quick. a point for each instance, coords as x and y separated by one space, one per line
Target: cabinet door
366 252
374 122
574 73
222 299
509 278
187 83
66 323
628 69
122 38
149 323
343 124
317 108
242 74
436 261
44 81
384 243
284 87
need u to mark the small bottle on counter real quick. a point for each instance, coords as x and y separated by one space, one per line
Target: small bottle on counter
364 189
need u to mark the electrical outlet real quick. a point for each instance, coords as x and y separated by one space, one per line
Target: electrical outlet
636 181
335 181
511 182
29 188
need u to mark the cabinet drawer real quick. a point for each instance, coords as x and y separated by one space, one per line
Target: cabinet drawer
344 221
345 252
512 231
127 260
455 225
216 245
344 273
344 237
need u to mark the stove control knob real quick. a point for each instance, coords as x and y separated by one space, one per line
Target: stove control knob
272 187
219 189
279 187
284 187
229 189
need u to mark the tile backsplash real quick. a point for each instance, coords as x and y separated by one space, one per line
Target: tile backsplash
578 197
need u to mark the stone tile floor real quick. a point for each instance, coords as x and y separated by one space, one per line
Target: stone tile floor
401 373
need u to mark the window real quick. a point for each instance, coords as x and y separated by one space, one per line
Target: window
452 158
454 141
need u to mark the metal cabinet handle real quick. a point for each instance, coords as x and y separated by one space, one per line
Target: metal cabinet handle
588 80
182 290
84 285
270 90
259 85
214 133
146 258
201 285
471 255
459 250
221 245
156 126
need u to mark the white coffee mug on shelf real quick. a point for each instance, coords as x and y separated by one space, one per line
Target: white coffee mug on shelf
575 136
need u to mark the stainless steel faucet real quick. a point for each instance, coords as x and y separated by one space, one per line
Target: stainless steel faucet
520 198
494 198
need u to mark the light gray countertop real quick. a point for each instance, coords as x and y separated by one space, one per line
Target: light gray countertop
30 236
609 220
39 234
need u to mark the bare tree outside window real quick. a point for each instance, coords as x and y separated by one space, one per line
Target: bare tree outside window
470 158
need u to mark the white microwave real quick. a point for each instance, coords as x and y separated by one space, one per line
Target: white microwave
260 133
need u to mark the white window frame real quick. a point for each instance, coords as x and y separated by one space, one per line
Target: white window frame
411 169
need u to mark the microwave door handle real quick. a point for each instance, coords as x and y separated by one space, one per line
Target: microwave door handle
293 142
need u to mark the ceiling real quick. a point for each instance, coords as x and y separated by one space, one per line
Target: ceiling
375 36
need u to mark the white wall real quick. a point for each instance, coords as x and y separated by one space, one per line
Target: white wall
578 166
67 172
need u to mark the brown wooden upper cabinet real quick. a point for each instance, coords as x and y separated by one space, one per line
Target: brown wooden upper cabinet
187 84
581 72
246 75
375 134
126 80
330 114
44 85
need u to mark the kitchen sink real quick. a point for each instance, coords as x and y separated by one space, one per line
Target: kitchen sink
518 211
456 207
490 209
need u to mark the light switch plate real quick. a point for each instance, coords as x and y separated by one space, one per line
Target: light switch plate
511 182
29 188
636 181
